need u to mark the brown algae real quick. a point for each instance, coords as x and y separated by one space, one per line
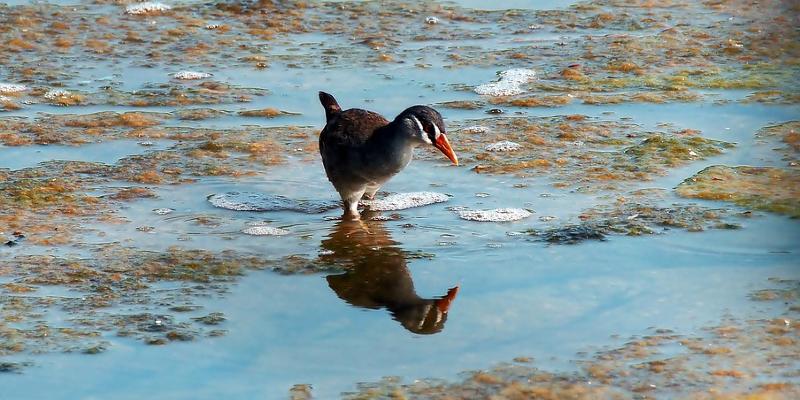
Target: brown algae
762 188
576 151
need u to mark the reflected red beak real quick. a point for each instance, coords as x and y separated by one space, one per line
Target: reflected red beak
444 146
444 303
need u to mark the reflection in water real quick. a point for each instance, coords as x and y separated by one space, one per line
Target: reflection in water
378 277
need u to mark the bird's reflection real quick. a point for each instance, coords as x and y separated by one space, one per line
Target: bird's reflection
377 276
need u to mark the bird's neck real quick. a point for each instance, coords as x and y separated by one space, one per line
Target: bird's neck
395 143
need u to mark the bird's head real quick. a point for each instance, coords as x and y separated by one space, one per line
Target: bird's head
427 127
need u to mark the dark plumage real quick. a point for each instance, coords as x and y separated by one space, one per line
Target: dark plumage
361 150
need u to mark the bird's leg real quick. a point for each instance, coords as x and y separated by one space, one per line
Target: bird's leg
351 211
369 194
351 205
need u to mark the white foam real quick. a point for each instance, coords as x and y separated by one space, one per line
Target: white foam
190 75
510 83
12 88
402 201
54 94
495 215
163 211
263 230
248 201
475 129
504 145
146 7
431 20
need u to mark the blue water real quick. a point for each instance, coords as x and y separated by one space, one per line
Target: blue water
517 297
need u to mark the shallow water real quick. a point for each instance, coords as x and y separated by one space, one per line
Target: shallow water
517 296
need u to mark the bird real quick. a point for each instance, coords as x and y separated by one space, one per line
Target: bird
361 149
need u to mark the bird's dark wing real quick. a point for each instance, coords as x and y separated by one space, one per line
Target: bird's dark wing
342 141
353 127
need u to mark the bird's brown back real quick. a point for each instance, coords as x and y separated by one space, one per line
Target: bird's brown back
352 127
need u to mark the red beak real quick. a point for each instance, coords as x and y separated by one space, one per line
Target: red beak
444 303
444 146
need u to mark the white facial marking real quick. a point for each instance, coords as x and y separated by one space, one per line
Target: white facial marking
436 132
422 134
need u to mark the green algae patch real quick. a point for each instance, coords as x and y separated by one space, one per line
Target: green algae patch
786 139
763 188
462 104
265 113
676 150
37 193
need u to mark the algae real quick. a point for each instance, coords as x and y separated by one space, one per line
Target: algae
762 188
635 218
575 151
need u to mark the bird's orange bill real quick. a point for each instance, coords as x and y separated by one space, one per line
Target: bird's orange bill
444 303
444 146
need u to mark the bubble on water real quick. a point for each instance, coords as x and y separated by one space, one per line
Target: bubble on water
392 217
510 83
146 7
475 129
54 94
504 145
190 75
12 88
431 20
163 211
263 230
402 201
494 215
248 201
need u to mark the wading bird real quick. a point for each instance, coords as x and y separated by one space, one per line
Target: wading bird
361 150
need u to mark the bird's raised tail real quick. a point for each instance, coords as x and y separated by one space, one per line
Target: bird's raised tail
330 104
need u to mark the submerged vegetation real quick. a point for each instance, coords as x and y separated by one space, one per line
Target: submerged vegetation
576 151
761 188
